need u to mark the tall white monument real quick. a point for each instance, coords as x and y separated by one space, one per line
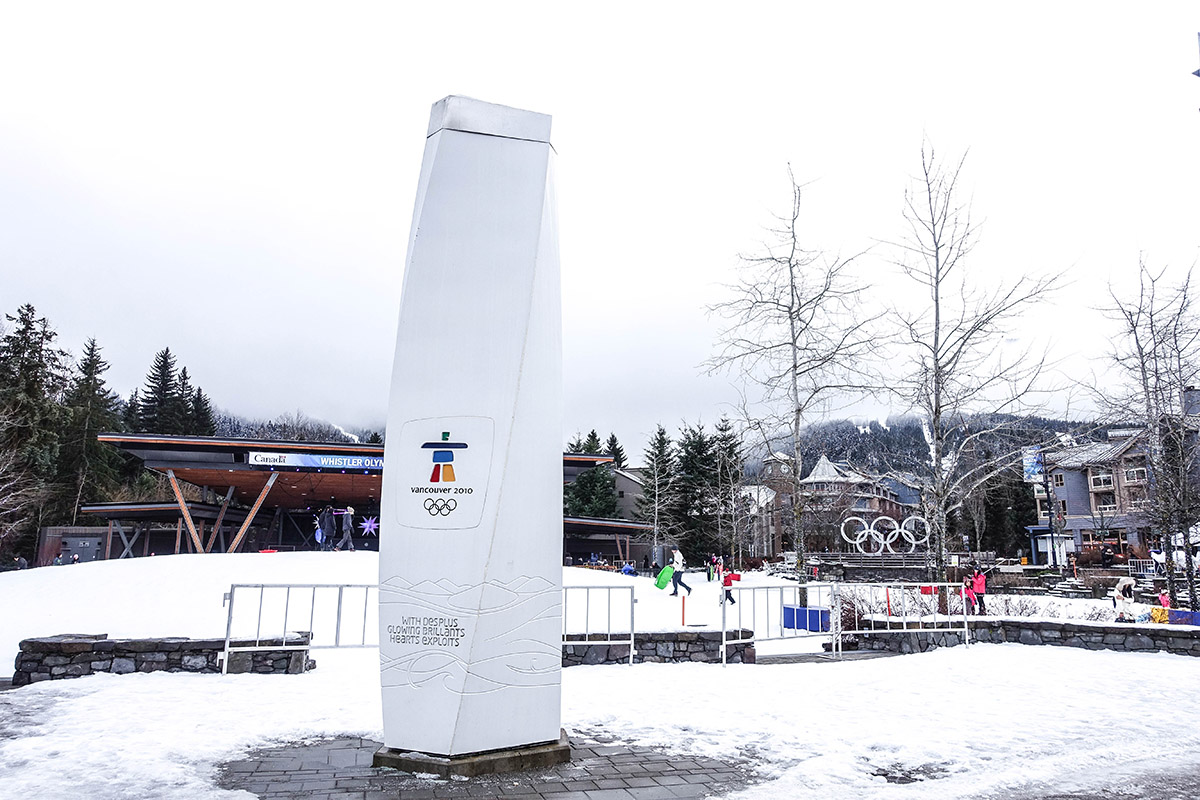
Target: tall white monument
470 569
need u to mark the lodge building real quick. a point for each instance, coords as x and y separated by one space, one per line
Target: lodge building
249 495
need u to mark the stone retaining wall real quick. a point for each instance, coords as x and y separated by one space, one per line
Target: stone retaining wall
672 647
75 655
1136 638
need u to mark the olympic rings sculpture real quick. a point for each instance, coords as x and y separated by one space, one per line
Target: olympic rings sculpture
883 531
436 506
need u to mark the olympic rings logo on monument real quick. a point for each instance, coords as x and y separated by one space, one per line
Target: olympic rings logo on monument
883 531
438 506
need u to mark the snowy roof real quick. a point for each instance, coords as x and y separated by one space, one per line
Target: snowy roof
825 470
1084 455
760 496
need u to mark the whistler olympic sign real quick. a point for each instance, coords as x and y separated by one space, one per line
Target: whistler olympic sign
315 461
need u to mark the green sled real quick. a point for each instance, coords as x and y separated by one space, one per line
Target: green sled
664 577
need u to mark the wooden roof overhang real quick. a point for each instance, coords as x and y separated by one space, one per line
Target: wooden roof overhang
220 463
164 512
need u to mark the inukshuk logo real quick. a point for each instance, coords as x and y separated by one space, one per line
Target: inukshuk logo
443 458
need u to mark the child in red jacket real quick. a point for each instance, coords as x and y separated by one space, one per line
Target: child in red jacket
728 580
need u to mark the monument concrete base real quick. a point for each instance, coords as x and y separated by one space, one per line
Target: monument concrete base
517 759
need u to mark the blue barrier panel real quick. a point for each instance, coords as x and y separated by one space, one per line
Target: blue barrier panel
806 619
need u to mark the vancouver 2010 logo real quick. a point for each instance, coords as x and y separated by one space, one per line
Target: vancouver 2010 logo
443 458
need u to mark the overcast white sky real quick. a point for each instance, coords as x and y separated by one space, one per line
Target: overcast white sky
235 180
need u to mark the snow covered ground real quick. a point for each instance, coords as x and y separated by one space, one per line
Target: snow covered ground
984 721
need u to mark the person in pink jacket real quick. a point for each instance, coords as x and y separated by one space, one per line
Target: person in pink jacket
979 586
969 594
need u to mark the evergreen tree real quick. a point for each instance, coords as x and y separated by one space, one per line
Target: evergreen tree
374 438
695 499
181 403
158 407
592 494
657 501
592 445
33 374
131 414
89 466
202 419
614 449
576 444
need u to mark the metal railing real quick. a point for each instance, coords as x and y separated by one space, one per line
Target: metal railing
591 616
888 608
837 610
325 621
766 611
346 615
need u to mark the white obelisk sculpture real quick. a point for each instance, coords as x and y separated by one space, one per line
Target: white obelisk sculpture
470 569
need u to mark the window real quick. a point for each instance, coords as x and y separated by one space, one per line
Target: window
1059 479
1102 479
621 493
1135 475
1062 507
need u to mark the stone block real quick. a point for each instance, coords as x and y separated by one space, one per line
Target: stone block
39 676
104 646
20 679
76 670
596 654
101 666
152 666
151 657
618 652
701 656
55 661
1029 636
240 663
136 645
664 649
1139 642
1114 638
194 663
122 666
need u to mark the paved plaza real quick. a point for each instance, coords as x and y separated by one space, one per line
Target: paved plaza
598 770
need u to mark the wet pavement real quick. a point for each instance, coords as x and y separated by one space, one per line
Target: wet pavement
598 770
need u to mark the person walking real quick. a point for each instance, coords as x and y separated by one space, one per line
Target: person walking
969 594
325 520
979 585
727 582
20 562
347 531
677 575
1123 599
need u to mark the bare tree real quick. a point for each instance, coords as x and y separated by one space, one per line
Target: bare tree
1158 358
959 377
797 334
